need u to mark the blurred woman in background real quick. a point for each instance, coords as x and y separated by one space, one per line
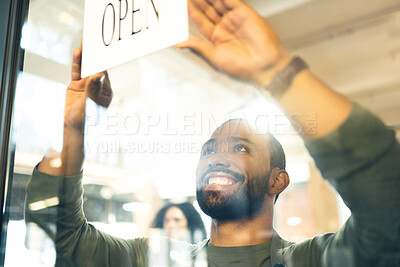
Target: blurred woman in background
181 221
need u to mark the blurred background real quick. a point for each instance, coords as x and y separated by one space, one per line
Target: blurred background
145 149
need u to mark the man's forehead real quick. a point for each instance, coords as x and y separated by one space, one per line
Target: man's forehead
240 131
234 128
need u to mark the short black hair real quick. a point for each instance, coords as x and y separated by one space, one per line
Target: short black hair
277 155
195 223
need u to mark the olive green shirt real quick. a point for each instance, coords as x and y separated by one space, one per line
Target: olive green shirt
361 159
257 255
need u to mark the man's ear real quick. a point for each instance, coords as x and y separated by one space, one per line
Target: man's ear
278 181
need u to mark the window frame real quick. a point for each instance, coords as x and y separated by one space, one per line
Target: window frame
12 17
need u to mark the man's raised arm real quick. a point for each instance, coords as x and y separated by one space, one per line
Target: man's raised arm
241 43
96 87
54 193
351 147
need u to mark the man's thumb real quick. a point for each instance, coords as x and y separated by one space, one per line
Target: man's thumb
200 46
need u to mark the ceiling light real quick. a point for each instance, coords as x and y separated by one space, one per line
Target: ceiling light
136 207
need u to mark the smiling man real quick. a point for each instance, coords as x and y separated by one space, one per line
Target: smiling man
241 172
234 172
239 175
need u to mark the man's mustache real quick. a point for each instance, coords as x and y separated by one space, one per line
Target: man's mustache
237 175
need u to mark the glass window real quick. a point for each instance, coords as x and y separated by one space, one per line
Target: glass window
141 152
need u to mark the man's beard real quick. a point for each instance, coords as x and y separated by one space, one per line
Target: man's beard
244 203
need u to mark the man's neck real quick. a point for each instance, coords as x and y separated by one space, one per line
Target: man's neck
244 232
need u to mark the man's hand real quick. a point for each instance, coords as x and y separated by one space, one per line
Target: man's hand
239 41
97 87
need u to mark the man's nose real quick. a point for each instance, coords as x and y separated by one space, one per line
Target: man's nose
218 159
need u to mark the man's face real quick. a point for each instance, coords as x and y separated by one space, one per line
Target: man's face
233 172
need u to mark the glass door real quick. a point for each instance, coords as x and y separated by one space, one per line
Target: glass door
140 153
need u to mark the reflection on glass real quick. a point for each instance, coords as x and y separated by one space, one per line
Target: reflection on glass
141 152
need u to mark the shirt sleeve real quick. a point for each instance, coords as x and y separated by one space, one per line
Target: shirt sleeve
54 203
361 159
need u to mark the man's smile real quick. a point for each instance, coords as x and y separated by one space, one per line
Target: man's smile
220 181
220 178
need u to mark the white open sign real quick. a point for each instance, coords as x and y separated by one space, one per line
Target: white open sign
118 31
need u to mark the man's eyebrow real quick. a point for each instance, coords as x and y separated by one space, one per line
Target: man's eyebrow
235 139
210 141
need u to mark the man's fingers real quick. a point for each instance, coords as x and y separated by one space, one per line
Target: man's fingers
231 4
107 83
99 89
201 47
94 83
205 25
219 6
208 10
76 65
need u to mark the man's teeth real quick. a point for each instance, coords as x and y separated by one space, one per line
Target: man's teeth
220 181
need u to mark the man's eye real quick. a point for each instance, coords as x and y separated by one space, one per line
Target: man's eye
207 151
240 148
